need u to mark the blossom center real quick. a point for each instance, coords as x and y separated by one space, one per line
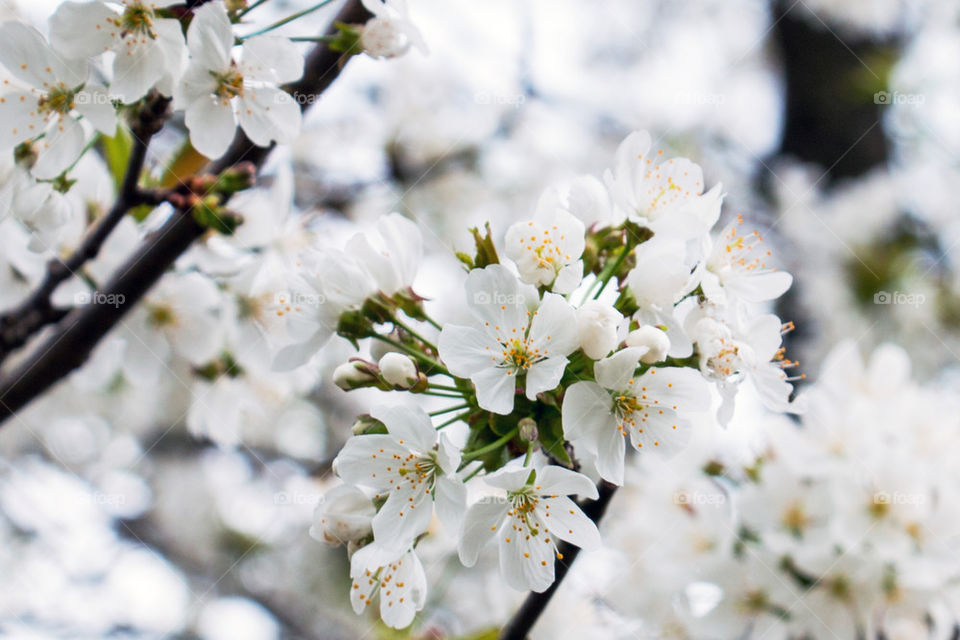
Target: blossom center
543 247
58 100
229 84
519 355
136 20
161 316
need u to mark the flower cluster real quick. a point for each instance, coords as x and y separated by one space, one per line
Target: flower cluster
599 325
830 528
54 107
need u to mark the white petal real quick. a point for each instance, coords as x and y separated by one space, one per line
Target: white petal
93 103
495 389
611 449
364 460
399 605
210 37
211 124
554 327
615 372
82 29
135 70
660 431
404 516
479 525
545 375
560 481
764 335
569 523
269 115
59 148
26 55
587 409
19 120
761 286
568 278
448 455
526 560
272 59
197 337
680 386
450 500
467 351
495 298
410 427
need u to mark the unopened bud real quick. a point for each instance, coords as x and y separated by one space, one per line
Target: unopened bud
528 429
355 374
656 341
367 424
398 370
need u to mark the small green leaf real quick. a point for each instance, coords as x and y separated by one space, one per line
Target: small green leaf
116 152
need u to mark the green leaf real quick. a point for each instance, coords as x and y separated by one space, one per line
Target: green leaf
221 220
116 153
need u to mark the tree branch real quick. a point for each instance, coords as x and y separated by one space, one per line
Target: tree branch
81 330
20 323
527 615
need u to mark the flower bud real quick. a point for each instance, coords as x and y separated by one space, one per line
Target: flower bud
597 324
398 369
654 339
528 429
384 38
344 514
355 374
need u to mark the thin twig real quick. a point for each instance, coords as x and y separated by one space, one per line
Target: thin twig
523 620
23 321
81 330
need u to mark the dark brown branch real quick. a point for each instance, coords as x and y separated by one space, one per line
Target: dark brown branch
523 620
82 329
23 321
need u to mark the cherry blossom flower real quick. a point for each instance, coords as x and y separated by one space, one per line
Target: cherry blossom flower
535 512
413 466
652 409
398 580
390 33
660 279
598 326
344 514
150 49
737 268
665 196
55 96
217 91
513 345
729 356
547 249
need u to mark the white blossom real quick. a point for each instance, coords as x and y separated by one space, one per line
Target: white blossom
547 249
216 91
652 409
150 49
512 344
528 521
412 466
398 369
598 326
344 514
390 32
55 93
